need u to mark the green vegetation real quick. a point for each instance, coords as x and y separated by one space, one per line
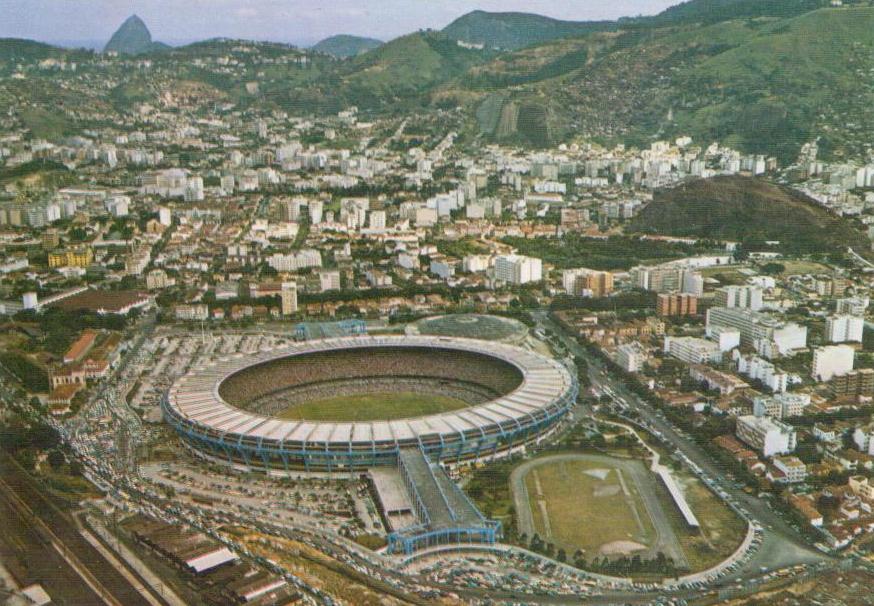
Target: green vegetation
516 30
575 509
60 328
751 211
35 168
489 488
46 124
33 377
342 46
372 407
370 541
613 253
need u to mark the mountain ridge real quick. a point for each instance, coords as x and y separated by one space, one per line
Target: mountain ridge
514 30
343 46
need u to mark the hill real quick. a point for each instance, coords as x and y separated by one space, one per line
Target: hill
343 46
750 211
512 31
26 50
714 11
763 85
398 76
133 38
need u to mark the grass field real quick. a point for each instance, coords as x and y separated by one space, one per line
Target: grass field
576 509
372 407
802 267
721 529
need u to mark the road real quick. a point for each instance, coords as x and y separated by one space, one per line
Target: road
782 545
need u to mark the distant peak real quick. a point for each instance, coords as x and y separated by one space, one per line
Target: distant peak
132 38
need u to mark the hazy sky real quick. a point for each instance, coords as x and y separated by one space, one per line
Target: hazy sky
295 21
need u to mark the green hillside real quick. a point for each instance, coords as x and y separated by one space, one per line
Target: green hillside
791 80
29 50
511 31
714 11
750 211
343 46
764 85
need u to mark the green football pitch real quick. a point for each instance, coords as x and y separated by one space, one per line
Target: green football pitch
372 407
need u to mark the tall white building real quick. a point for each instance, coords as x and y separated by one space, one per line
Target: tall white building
288 296
747 297
316 209
758 368
165 217
329 280
781 406
844 328
377 219
475 263
854 306
295 261
832 361
767 435
863 437
770 336
631 357
518 269
693 350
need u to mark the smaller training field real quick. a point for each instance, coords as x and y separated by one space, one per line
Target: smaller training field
372 407
471 326
602 505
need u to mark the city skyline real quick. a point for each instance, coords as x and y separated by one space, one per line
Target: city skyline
92 22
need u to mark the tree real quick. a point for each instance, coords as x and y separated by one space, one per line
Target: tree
56 459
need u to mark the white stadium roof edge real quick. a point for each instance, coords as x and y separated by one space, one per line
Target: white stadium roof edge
195 396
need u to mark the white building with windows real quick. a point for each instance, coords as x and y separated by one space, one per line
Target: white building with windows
854 306
770 336
791 470
832 361
746 297
758 368
844 328
863 438
518 269
768 436
693 350
781 406
631 357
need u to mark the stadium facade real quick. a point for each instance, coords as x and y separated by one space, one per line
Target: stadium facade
246 439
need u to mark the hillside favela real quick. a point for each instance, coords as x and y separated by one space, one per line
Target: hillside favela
436 304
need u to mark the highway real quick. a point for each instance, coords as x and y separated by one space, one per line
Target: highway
782 546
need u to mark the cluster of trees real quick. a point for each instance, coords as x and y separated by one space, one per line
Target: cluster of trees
613 253
621 566
25 439
625 566
32 376
634 300
60 328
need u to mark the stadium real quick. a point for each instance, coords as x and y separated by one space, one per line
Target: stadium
262 412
